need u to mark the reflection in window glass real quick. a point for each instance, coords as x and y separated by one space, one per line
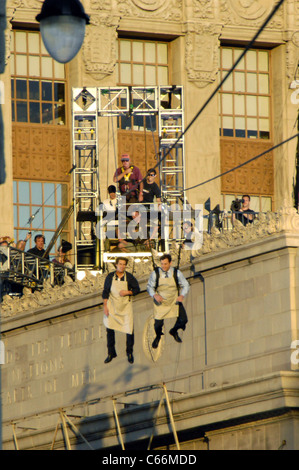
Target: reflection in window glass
47 202
249 85
48 83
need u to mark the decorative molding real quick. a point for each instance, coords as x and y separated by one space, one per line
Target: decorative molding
250 12
285 220
202 45
99 47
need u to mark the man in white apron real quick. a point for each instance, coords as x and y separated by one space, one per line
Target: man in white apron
168 294
119 288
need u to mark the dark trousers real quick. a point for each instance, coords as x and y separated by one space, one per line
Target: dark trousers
181 321
111 342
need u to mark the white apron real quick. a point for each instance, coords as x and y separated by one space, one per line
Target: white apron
167 288
120 309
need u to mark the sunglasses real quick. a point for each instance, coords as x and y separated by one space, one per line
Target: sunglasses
125 160
151 174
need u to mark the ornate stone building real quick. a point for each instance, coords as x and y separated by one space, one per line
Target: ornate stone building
234 384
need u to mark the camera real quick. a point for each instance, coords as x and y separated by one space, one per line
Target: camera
236 205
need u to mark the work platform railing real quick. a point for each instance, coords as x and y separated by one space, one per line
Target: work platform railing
28 270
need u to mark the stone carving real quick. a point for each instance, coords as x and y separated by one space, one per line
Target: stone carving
202 43
253 11
285 220
99 47
167 10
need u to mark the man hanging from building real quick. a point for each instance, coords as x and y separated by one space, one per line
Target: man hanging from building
168 288
119 288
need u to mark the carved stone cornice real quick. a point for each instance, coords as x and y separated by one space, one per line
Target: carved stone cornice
286 220
201 52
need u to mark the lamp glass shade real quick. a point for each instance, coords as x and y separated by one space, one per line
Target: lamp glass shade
63 36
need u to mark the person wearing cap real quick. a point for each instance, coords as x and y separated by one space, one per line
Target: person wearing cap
129 179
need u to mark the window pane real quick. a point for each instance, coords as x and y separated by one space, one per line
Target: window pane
21 43
266 204
59 113
49 194
34 112
24 196
263 106
47 67
227 103
251 60
34 90
241 64
252 127
240 126
264 125
34 66
33 43
162 75
150 75
46 91
21 111
21 89
227 58
37 222
125 50
263 59
49 222
125 73
59 70
228 84
251 83
240 81
150 52
138 74
162 54
264 83
240 104
59 94
251 105
24 215
21 65
36 193
228 126
137 51
47 113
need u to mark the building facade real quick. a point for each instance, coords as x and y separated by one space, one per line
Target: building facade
236 386
192 44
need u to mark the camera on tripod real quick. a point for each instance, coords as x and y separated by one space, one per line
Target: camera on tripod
236 205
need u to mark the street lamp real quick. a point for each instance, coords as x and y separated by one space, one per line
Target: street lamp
62 26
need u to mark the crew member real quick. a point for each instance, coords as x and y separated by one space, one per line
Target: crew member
129 178
245 214
119 288
168 288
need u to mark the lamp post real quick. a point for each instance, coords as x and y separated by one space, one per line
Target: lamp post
62 26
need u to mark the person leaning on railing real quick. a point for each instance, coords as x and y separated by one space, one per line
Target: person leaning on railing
244 214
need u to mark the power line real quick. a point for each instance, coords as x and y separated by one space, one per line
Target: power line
249 45
245 163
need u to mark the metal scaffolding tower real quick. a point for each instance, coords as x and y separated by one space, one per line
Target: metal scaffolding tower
87 106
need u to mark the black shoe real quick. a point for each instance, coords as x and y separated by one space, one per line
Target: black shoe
110 357
156 341
174 333
130 358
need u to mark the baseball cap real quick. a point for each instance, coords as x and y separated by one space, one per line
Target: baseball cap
125 157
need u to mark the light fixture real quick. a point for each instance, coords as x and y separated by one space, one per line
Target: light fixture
62 26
